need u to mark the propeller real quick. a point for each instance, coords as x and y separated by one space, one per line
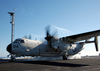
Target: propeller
28 37
50 35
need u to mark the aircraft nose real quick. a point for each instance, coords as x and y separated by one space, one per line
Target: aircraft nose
9 48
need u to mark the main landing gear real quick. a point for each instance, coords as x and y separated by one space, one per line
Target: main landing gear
65 57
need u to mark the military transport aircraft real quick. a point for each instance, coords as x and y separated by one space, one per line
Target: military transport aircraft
52 46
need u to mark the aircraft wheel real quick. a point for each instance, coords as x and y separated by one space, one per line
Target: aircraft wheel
64 57
13 59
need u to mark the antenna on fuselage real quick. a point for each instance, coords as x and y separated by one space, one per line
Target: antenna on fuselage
12 22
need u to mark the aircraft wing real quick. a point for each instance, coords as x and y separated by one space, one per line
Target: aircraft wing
82 36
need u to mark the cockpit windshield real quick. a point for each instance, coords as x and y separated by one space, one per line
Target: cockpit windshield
19 41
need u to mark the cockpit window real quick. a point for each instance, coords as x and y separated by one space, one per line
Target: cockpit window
19 41
22 41
16 41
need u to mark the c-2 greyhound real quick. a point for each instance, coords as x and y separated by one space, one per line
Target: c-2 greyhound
52 46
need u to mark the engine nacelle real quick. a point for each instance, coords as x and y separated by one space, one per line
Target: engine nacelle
60 45
75 48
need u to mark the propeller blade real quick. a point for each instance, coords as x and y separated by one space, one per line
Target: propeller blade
50 33
48 36
30 36
25 36
55 32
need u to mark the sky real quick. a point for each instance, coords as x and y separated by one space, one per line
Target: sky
32 16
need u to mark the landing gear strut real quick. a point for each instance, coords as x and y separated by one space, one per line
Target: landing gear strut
13 58
64 57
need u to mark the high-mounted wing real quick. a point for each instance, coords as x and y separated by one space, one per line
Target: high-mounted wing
75 38
82 36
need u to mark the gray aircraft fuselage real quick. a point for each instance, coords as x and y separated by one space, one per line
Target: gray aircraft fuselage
27 47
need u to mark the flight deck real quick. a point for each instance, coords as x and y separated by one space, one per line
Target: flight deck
84 64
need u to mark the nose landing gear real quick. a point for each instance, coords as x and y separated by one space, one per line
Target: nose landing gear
12 58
